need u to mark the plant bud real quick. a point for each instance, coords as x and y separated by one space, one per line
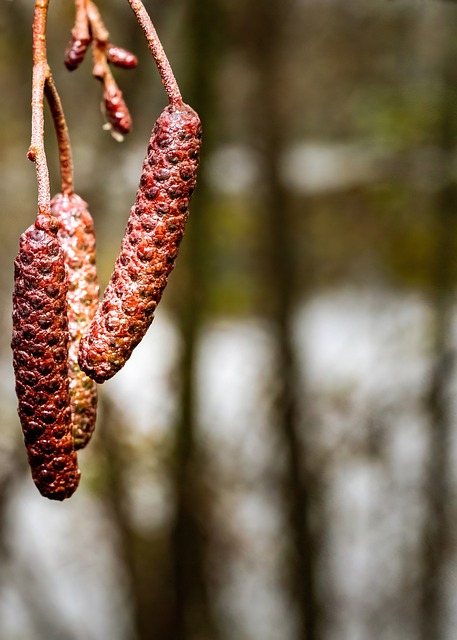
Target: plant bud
120 57
75 52
116 110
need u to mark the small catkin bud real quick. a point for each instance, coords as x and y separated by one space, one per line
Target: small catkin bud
116 110
77 240
150 245
40 349
120 57
75 52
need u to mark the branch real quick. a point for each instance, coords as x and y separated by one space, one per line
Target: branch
43 83
81 29
158 53
63 136
40 73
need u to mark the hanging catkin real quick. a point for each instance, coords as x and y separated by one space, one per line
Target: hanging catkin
75 52
116 109
150 245
40 348
77 239
120 57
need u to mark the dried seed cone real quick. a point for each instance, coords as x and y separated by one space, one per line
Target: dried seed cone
75 52
77 240
116 110
150 245
40 347
120 57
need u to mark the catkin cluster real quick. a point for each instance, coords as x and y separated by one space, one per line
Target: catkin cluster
64 341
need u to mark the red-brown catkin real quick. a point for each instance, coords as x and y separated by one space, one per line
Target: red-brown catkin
75 52
116 110
120 57
77 240
150 245
40 348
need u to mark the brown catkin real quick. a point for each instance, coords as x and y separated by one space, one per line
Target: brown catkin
77 240
150 245
120 57
116 110
40 349
75 52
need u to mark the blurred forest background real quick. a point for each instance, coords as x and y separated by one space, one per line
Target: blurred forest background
277 461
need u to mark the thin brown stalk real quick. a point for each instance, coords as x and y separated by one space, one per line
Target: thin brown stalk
63 137
99 31
158 53
43 84
81 29
40 73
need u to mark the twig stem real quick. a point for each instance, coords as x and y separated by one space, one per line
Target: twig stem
81 29
42 82
63 137
158 53
40 73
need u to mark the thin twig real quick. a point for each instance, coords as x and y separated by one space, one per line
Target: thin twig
81 29
99 31
158 53
40 73
43 83
63 136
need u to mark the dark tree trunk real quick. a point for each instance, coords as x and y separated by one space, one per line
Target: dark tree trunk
298 483
437 533
192 615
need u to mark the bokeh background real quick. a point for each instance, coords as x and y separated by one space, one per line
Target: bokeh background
277 461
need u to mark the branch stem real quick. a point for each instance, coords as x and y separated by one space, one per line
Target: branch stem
40 73
43 83
99 31
63 136
81 29
158 53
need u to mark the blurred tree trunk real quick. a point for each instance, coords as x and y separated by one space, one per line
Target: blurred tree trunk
437 534
192 615
299 486
143 556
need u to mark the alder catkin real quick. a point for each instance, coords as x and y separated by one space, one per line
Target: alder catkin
150 245
75 52
116 110
77 240
120 57
40 348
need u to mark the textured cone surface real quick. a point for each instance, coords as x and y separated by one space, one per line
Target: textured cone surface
150 245
77 240
40 348
120 57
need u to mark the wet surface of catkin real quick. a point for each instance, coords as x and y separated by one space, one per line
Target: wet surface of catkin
77 240
40 347
150 245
